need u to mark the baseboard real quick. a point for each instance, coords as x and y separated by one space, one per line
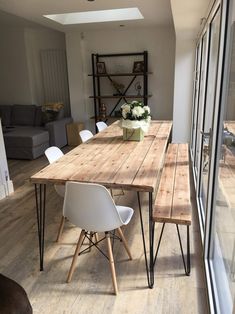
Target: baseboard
6 189
2 191
10 187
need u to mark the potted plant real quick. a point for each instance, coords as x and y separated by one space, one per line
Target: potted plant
135 120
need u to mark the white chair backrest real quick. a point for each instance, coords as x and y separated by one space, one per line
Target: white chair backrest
90 207
101 126
53 153
85 135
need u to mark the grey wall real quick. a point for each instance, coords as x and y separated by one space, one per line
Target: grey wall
21 75
14 76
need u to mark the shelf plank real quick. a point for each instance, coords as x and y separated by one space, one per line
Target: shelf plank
121 96
106 118
121 74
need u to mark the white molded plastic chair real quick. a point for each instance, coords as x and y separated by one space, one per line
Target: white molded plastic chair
85 135
53 153
101 126
95 212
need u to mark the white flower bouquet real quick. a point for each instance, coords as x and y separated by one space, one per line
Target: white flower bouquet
135 115
135 120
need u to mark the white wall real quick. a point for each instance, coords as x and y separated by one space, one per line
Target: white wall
183 89
35 41
158 41
6 186
14 77
187 15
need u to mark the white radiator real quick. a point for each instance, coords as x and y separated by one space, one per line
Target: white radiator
55 77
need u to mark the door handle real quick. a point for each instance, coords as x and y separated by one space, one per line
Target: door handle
206 134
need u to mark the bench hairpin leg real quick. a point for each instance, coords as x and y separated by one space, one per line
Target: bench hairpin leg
187 269
188 253
159 242
151 241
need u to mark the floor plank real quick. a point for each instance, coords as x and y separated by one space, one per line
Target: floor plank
90 290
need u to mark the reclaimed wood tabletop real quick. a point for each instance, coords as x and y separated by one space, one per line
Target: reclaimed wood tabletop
109 160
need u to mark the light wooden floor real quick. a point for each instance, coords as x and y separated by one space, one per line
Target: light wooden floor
91 288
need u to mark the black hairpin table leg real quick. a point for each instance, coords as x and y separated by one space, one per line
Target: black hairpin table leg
148 264
40 196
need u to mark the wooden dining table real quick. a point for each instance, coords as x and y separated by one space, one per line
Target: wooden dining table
108 160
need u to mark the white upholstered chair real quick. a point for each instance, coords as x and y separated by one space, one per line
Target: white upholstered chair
101 126
91 208
85 135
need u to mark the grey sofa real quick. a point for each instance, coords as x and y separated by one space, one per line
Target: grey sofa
25 136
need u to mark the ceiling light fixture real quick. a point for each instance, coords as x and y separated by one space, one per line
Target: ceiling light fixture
96 16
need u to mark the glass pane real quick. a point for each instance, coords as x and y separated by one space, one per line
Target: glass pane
209 107
223 241
202 86
195 97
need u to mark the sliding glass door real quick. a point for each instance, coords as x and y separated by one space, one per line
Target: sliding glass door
213 153
196 90
206 129
222 240
200 104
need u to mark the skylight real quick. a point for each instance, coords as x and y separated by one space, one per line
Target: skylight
96 16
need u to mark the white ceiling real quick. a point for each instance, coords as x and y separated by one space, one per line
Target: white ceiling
155 12
186 13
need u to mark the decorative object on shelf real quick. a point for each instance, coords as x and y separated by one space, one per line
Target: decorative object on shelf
138 67
52 111
102 111
119 87
138 88
100 68
135 120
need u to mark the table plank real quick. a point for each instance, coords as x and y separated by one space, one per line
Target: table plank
147 175
65 167
130 167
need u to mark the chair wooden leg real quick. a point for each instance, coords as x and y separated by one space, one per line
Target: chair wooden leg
60 228
79 244
111 262
124 242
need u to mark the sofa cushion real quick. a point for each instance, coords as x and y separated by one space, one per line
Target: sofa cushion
23 114
21 136
5 114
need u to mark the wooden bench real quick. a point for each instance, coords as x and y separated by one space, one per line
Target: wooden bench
172 204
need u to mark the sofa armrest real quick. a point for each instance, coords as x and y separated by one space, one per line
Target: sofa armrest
57 131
